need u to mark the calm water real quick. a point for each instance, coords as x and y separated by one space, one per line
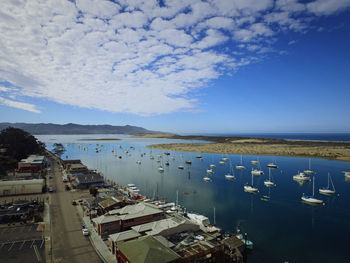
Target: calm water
282 229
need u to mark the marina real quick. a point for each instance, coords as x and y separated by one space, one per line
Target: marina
270 208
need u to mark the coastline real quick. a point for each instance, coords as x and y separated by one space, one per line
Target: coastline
259 146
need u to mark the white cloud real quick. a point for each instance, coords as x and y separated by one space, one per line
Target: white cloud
19 105
327 7
137 56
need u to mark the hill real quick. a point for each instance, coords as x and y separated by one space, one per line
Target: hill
72 128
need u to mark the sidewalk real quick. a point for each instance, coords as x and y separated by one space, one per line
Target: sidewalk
47 234
101 248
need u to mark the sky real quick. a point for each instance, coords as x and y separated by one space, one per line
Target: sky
185 66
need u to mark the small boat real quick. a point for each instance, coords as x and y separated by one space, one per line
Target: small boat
254 162
272 165
160 169
257 172
327 190
311 199
206 179
269 182
347 174
172 158
224 159
198 156
119 157
301 177
181 167
229 177
248 243
309 171
188 162
209 171
151 157
131 185
221 162
167 153
240 166
166 163
158 161
251 188
212 166
138 162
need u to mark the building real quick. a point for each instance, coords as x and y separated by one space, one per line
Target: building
66 163
161 228
108 205
20 187
76 168
122 219
145 250
33 163
84 181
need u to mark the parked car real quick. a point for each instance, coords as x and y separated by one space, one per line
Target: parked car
86 231
67 187
51 190
74 203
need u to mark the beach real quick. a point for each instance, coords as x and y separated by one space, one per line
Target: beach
259 146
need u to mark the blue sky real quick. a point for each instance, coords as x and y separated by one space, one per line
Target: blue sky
179 66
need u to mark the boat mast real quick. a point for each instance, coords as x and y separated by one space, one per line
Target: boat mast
214 217
177 197
313 186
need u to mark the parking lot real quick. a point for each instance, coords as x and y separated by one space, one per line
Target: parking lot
22 244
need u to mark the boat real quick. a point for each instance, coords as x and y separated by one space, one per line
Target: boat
248 243
181 167
221 162
251 188
272 165
206 179
198 156
166 163
209 171
327 190
212 166
224 159
151 157
188 162
347 174
138 162
254 162
269 182
309 171
230 175
301 177
131 185
240 166
160 169
311 199
257 172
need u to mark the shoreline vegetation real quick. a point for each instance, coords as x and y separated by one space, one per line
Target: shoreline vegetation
99 139
256 146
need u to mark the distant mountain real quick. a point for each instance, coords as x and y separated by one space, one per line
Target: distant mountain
71 128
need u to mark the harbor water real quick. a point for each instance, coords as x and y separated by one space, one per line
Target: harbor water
282 227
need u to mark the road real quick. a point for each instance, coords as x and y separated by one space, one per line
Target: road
68 242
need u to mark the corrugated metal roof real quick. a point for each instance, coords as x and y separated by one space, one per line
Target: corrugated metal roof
21 182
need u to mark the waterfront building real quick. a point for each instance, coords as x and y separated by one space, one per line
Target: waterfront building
20 187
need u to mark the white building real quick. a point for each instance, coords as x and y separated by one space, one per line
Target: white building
21 187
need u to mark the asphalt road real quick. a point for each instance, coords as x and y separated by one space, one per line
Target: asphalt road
68 242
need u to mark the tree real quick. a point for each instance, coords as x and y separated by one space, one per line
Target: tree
19 144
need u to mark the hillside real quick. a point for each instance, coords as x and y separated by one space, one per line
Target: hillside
71 128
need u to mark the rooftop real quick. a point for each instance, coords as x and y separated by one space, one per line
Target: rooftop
149 250
125 235
20 182
105 219
134 211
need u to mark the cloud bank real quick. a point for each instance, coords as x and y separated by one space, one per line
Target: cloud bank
141 57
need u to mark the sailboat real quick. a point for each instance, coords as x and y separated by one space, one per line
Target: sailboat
327 190
269 183
255 162
309 171
272 165
251 188
206 179
301 177
240 166
230 176
311 199
347 174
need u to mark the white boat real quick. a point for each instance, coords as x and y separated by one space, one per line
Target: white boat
138 162
311 199
230 175
206 179
327 190
347 174
254 162
272 165
152 157
131 185
181 167
301 177
160 169
188 162
257 172
269 182
224 159
221 162
309 171
248 243
251 188
240 166
212 166
209 171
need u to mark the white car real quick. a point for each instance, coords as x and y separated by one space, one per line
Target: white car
86 232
